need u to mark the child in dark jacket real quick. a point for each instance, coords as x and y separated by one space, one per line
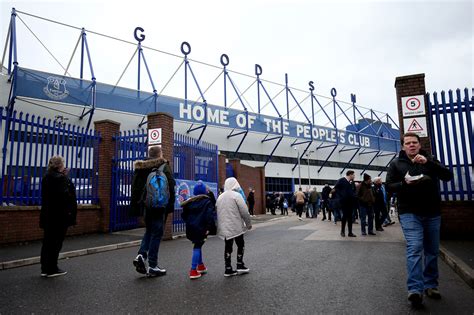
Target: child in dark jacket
198 214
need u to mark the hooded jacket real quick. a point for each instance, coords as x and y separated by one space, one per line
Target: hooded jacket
233 217
58 201
422 198
198 214
140 175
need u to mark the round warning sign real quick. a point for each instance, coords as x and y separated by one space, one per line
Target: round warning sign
413 105
154 136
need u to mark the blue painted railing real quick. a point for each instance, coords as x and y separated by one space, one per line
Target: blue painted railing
452 140
27 148
192 161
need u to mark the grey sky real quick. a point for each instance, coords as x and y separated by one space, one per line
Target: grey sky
357 47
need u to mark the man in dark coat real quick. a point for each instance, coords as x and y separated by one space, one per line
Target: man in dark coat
155 218
58 212
414 176
346 197
251 200
325 201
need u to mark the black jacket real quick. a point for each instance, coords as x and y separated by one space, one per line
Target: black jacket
251 198
422 198
198 214
140 175
58 201
325 193
345 193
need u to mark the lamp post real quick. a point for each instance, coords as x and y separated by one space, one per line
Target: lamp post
309 173
299 168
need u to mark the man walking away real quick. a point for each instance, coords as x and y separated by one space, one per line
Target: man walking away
346 197
314 198
366 201
299 203
414 176
155 217
251 200
380 205
325 201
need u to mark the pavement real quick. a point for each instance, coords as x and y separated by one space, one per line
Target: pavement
458 254
297 267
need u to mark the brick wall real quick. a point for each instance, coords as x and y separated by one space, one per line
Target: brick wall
21 224
165 122
411 85
248 177
107 129
457 220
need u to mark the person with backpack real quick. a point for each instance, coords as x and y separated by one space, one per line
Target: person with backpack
153 196
198 214
233 221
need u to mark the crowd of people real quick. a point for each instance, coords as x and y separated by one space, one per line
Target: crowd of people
412 175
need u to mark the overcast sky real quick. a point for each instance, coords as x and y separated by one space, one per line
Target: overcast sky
357 47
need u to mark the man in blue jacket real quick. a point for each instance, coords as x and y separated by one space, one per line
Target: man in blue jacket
414 177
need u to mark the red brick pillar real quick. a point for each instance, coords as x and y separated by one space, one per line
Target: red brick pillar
107 129
260 192
413 85
235 163
165 122
222 171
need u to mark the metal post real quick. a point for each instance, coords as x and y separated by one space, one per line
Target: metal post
299 167
309 173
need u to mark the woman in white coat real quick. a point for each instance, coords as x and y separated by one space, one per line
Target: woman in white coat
233 220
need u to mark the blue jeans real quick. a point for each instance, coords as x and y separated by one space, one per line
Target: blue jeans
151 239
422 236
364 212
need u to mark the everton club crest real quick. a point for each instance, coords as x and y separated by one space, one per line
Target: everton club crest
56 88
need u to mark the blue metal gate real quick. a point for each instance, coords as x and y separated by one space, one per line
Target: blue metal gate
452 139
192 161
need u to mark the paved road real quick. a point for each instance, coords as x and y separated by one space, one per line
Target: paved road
296 268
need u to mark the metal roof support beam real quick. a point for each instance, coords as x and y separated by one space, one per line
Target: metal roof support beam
383 125
327 159
370 162
302 154
394 156
12 54
369 152
351 149
350 160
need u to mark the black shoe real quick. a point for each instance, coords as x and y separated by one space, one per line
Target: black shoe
139 264
433 293
343 234
56 273
156 272
416 299
379 229
241 268
372 233
229 272
351 235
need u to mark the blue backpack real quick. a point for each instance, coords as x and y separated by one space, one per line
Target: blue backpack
156 189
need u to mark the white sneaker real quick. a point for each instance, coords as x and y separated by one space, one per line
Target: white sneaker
300 218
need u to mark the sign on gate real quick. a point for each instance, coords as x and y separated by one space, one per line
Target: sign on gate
413 105
416 125
154 136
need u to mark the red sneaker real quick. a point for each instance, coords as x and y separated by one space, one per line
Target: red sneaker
194 274
201 268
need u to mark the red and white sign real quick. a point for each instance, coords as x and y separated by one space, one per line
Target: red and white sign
154 136
416 125
413 105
